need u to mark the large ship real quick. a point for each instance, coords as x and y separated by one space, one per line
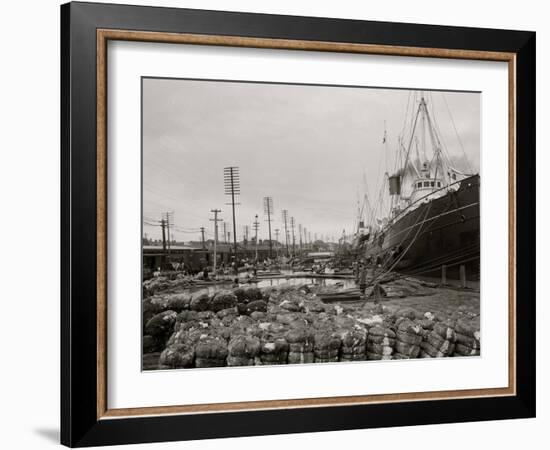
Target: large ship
431 208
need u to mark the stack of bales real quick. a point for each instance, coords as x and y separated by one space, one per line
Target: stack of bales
408 339
467 338
180 348
243 350
327 346
438 343
380 342
354 345
300 346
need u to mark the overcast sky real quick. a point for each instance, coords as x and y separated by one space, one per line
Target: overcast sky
308 147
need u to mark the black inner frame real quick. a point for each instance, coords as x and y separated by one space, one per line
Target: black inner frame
79 424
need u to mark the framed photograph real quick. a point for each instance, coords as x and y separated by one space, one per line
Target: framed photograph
277 224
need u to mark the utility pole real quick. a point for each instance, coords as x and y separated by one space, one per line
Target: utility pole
215 220
305 238
232 188
293 237
245 235
202 238
284 212
224 234
300 232
277 242
268 209
163 225
167 222
256 226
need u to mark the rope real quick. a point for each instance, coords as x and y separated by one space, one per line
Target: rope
407 249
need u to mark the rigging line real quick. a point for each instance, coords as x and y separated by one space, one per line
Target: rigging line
456 132
407 249
422 269
432 268
445 149
420 227
443 260
410 144
406 113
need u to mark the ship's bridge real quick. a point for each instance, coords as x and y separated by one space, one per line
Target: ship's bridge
424 186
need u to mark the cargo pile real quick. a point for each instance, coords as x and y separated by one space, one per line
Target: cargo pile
291 325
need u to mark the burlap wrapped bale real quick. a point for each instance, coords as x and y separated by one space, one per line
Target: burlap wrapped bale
408 313
290 305
273 350
464 350
178 302
223 299
243 350
149 309
397 355
211 351
186 316
206 315
231 312
161 326
436 346
292 301
256 306
287 317
445 331
177 356
377 356
240 293
380 342
160 302
315 306
327 346
468 341
258 316
426 324
252 293
300 346
187 333
467 344
200 301
242 308
150 344
407 350
408 338
469 328
354 345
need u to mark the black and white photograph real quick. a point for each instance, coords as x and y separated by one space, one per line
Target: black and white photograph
299 224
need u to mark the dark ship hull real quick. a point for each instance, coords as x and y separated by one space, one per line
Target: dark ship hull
442 231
